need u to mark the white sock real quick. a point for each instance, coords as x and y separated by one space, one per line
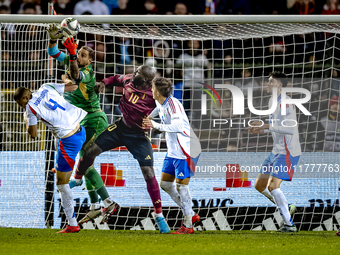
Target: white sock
95 206
186 203
267 194
281 202
159 215
76 179
170 188
107 202
67 203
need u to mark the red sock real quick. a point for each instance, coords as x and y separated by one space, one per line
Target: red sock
155 194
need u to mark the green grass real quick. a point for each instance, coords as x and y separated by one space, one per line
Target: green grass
47 242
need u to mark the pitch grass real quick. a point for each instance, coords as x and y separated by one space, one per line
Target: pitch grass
47 242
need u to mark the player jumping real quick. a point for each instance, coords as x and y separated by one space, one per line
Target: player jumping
136 103
85 97
184 149
63 119
281 162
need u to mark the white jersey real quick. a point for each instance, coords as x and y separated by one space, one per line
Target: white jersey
53 110
181 140
285 138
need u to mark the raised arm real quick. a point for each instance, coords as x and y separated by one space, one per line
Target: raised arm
71 47
116 81
52 50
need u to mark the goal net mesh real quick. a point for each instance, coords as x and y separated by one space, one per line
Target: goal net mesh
192 56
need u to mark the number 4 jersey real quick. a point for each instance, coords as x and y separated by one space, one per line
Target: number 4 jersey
53 110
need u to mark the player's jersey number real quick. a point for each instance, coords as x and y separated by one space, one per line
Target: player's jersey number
133 98
54 105
112 127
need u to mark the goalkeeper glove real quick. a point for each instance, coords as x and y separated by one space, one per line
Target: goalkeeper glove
54 33
71 47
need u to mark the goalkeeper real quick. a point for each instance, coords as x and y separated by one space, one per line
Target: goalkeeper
87 98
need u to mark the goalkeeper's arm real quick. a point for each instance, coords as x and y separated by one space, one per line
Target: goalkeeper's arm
52 49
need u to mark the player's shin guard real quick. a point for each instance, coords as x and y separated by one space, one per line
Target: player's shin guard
97 183
91 191
268 195
67 203
186 203
170 188
281 202
155 194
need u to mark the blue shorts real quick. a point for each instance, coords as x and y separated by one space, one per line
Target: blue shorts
68 149
181 168
281 166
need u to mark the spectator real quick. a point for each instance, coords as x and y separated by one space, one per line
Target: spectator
17 7
4 9
223 111
332 7
95 7
64 7
277 51
111 4
328 135
126 51
305 7
122 8
233 7
193 63
247 81
335 81
29 9
180 9
150 7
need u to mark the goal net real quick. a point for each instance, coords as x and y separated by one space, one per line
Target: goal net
197 54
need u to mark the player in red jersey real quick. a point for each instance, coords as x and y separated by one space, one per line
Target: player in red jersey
136 103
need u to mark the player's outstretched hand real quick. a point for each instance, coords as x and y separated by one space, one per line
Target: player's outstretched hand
147 124
66 79
54 33
99 87
71 46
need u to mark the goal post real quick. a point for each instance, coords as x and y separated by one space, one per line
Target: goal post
197 53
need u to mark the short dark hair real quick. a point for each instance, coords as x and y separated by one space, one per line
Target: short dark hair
163 85
282 77
29 6
4 8
19 92
90 51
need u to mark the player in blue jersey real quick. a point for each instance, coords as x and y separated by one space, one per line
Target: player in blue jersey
63 120
282 161
184 149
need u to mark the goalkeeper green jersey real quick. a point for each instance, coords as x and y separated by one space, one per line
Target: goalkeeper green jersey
84 96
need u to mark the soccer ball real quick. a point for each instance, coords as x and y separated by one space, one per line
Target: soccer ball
70 27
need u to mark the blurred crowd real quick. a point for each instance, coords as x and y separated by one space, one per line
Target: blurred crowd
149 7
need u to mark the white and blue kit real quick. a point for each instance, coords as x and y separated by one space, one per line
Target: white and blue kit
283 159
62 118
183 145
